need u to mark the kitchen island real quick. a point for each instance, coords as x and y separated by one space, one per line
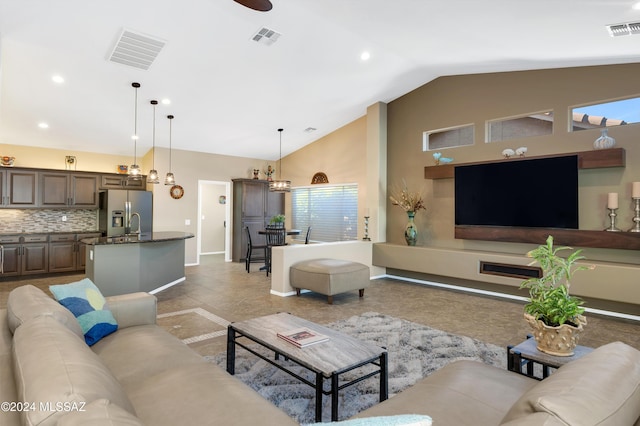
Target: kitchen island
126 264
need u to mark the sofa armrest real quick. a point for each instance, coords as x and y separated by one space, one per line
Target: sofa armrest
133 309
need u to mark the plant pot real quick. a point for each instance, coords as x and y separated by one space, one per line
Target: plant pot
558 341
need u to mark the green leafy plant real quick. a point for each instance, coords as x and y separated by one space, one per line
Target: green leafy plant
279 218
550 300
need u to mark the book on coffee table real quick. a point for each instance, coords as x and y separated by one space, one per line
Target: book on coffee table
302 337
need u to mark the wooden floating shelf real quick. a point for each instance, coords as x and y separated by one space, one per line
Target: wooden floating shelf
594 159
568 237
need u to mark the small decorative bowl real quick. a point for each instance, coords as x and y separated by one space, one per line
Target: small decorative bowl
7 161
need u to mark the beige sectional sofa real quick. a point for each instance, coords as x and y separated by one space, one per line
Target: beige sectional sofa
138 375
142 375
601 388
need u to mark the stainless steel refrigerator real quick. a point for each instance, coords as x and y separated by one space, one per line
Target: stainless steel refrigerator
124 212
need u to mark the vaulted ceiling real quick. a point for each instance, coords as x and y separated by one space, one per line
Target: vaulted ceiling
229 94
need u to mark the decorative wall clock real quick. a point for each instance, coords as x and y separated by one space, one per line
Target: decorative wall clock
176 192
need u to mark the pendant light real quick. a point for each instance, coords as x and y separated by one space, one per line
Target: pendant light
170 179
280 185
134 170
153 173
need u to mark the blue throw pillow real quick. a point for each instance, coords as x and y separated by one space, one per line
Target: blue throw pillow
90 308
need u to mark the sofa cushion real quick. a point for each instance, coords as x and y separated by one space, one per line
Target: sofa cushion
51 364
86 302
206 395
461 393
121 353
100 412
601 388
27 301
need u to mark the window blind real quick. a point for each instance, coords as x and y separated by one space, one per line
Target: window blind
330 210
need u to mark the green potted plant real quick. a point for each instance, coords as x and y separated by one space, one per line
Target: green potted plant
555 315
277 220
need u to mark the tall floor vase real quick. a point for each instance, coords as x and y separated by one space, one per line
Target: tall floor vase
411 230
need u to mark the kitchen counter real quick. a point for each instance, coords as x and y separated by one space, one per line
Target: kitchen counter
152 237
127 264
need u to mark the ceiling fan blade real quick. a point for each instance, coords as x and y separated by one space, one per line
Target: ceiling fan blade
260 5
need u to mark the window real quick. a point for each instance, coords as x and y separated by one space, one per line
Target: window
606 114
448 138
538 124
330 210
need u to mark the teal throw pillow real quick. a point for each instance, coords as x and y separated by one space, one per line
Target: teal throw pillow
90 308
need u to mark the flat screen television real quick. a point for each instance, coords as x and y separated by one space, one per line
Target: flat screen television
538 193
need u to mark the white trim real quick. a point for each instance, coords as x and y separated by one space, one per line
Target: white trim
166 286
619 315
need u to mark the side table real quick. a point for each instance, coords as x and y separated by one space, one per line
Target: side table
526 354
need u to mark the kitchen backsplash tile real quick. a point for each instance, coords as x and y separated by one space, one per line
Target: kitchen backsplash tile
47 220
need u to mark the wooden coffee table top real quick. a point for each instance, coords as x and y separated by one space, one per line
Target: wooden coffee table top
340 353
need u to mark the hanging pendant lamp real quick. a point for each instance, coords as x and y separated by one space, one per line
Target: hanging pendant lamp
170 179
280 185
135 173
153 173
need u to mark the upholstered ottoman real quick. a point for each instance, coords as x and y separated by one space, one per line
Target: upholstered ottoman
329 276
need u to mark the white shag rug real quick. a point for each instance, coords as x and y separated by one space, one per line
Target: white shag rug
415 351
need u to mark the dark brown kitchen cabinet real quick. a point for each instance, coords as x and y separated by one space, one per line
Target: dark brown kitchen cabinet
24 255
253 207
68 190
62 253
115 181
10 256
19 188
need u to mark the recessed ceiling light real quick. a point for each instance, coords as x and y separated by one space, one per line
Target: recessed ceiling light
365 56
43 125
166 101
636 6
57 79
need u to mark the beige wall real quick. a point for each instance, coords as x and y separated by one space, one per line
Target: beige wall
456 100
341 155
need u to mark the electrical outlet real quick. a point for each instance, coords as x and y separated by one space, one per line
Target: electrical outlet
64 218
187 222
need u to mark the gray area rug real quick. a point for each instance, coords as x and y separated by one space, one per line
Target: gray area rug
415 351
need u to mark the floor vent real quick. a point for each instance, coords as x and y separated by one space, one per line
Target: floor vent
617 30
266 36
136 50
512 271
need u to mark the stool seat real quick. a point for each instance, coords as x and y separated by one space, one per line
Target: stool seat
329 276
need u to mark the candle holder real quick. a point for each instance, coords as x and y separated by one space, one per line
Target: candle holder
366 229
612 219
636 217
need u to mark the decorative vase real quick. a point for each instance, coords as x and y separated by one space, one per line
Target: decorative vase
559 341
604 141
411 231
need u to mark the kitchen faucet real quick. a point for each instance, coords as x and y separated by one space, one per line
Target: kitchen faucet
128 217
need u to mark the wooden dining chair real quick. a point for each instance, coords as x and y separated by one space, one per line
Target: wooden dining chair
249 258
275 236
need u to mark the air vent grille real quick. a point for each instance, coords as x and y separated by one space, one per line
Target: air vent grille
266 36
617 30
136 50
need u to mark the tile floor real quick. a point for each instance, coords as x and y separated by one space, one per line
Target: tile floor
216 292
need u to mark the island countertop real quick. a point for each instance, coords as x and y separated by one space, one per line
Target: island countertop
152 237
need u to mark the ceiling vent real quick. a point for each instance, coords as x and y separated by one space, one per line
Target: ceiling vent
629 28
266 36
136 50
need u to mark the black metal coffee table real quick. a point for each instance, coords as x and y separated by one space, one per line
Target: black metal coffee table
328 360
